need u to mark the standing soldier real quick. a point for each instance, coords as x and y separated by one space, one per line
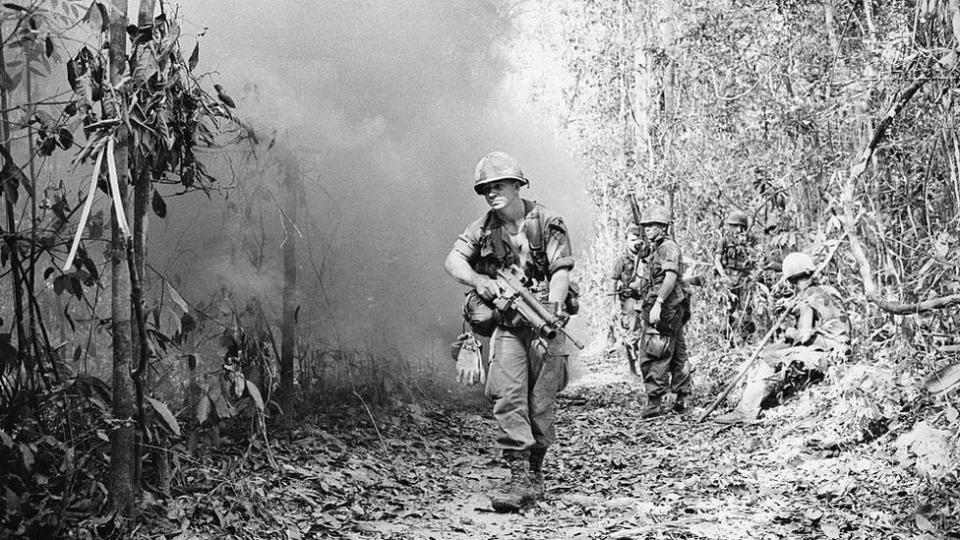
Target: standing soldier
666 308
626 281
526 370
735 261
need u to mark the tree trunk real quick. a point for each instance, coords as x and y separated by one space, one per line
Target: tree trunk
288 329
15 274
123 485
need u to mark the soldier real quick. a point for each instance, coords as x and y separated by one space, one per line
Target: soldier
626 280
801 354
735 261
526 370
666 308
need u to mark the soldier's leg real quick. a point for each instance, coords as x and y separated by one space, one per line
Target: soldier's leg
681 382
761 382
548 369
656 382
508 384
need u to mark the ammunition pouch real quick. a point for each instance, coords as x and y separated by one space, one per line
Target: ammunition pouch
482 317
656 344
572 304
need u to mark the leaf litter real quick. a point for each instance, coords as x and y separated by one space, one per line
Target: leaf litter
423 471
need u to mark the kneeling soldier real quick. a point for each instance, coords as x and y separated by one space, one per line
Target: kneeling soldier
803 351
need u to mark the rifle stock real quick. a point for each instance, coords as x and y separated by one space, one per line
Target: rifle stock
515 296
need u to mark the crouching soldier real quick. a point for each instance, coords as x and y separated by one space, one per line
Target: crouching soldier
527 370
805 348
666 308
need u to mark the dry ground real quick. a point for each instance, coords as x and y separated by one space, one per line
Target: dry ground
421 473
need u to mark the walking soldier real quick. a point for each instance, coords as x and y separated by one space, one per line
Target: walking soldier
526 368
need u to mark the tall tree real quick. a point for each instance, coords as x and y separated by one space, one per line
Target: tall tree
123 486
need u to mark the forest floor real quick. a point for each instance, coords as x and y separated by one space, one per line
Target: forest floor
422 471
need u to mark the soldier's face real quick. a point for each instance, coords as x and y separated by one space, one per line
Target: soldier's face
633 242
736 229
653 231
500 193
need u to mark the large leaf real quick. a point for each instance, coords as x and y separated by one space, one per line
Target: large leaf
177 299
194 57
169 421
97 16
146 67
203 409
7 82
11 177
255 395
159 205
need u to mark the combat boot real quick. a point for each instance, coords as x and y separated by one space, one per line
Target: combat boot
654 408
680 405
536 473
735 417
515 492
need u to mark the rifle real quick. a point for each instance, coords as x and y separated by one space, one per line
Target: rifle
627 292
515 296
635 209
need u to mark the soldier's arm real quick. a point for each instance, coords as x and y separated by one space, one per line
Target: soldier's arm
559 258
669 282
803 333
457 264
614 285
717 266
559 286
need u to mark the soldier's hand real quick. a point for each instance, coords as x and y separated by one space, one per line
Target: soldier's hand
487 288
655 314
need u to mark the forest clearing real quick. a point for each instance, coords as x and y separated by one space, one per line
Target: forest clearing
479 269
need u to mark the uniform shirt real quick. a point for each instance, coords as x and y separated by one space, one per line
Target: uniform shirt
737 252
486 245
665 256
830 328
625 268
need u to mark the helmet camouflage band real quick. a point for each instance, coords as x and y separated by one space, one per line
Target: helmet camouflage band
497 166
737 218
797 264
658 214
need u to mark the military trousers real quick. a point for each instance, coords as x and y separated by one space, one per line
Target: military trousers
668 373
526 373
779 365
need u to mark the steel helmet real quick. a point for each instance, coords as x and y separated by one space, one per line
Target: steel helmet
738 218
497 166
657 214
797 264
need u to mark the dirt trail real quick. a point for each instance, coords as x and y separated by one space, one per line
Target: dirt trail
611 475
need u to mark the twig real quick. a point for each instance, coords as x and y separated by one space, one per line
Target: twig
383 443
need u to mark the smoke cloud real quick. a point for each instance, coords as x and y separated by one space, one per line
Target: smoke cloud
387 106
